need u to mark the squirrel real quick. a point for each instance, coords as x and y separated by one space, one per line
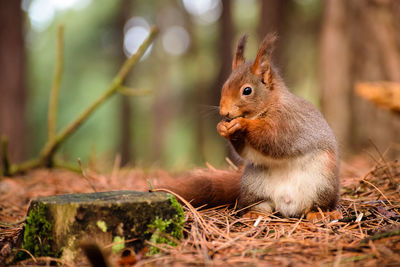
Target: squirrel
290 153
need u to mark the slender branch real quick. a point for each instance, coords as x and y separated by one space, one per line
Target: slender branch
85 176
54 93
27 165
66 165
4 153
113 87
51 146
124 90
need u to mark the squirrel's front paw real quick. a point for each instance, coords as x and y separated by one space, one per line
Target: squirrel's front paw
222 128
226 129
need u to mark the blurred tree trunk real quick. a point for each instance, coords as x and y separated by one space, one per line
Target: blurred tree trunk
163 110
225 51
335 69
12 77
199 95
374 29
360 42
165 104
127 155
272 20
225 55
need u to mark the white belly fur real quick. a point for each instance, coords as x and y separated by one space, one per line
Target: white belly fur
290 185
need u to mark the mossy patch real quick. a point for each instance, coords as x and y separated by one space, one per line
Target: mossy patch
58 223
37 234
167 231
119 244
102 225
180 216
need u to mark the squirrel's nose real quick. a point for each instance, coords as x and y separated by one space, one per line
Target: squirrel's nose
223 112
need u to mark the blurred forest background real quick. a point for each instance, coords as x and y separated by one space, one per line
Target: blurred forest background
324 49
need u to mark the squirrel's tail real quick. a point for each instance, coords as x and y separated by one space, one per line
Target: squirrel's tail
208 187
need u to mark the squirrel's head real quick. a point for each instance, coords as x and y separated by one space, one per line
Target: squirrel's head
251 84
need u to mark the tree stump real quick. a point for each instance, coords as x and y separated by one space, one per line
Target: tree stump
56 225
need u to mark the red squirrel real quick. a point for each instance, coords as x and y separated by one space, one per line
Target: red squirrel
289 151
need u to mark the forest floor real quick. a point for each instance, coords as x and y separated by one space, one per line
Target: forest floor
368 234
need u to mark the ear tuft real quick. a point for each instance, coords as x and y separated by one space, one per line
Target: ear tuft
239 59
262 63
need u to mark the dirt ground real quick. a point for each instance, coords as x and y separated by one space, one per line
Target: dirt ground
368 234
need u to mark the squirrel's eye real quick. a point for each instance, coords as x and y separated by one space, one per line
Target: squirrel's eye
247 91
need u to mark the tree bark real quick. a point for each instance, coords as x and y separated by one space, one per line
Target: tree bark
165 106
272 20
335 69
12 77
376 58
126 109
225 29
358 44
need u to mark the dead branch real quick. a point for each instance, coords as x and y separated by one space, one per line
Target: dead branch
45 158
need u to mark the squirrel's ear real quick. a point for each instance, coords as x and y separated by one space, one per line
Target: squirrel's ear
238 58
262 63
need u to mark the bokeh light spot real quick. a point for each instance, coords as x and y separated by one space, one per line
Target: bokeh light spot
176 40
136 30
204 11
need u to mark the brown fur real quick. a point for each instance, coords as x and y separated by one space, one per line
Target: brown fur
328 198
270 128
262 63
206 187
276 123
239 59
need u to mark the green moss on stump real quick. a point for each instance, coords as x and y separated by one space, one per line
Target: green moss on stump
180 214
119 244
60 223
37 234
167 231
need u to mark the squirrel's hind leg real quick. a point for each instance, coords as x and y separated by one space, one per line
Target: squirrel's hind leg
316 216
262 209
265 207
